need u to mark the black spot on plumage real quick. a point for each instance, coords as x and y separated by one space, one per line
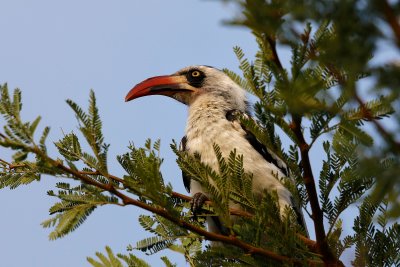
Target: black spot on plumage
185 177
182 145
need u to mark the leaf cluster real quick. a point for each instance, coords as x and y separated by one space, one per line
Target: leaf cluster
232 186
313 102
322 94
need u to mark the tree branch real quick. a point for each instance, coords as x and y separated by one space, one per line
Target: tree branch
112 177
309 181
83 176
391 19
275 57
232 240
311 244
126 200
10 165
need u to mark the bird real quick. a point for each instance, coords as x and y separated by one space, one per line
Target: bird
215 104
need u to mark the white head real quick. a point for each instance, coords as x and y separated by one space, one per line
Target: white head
190 83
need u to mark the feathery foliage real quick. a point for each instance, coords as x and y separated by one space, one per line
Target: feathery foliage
112 260
316 102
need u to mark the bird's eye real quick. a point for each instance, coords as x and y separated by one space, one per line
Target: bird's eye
196 73
195 77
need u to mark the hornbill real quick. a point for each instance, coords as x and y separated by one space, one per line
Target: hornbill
215 101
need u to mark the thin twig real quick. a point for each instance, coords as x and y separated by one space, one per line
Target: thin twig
232 211
386 135
275 57
5 162
391 19
12 166
112 177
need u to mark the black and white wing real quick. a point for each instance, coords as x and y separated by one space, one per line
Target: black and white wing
234 117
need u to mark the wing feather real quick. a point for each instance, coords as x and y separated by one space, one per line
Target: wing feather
185 177
268 155
234 117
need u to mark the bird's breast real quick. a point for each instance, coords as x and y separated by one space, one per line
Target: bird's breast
202 136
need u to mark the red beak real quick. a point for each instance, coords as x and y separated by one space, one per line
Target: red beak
167 85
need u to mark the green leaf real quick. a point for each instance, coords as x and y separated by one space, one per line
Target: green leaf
109 260
154 244
69 220
69 147
356 132
167 262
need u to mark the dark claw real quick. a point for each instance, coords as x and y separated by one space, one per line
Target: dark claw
197 203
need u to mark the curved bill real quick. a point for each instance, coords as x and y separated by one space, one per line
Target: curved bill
167 85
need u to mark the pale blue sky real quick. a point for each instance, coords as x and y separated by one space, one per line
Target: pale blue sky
54 50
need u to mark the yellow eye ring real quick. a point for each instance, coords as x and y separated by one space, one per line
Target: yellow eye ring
196 73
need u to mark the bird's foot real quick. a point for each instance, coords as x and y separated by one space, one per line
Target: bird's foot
197 202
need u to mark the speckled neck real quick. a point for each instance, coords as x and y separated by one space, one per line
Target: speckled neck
205 114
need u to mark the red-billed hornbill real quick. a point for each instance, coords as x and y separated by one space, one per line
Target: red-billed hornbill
214 102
